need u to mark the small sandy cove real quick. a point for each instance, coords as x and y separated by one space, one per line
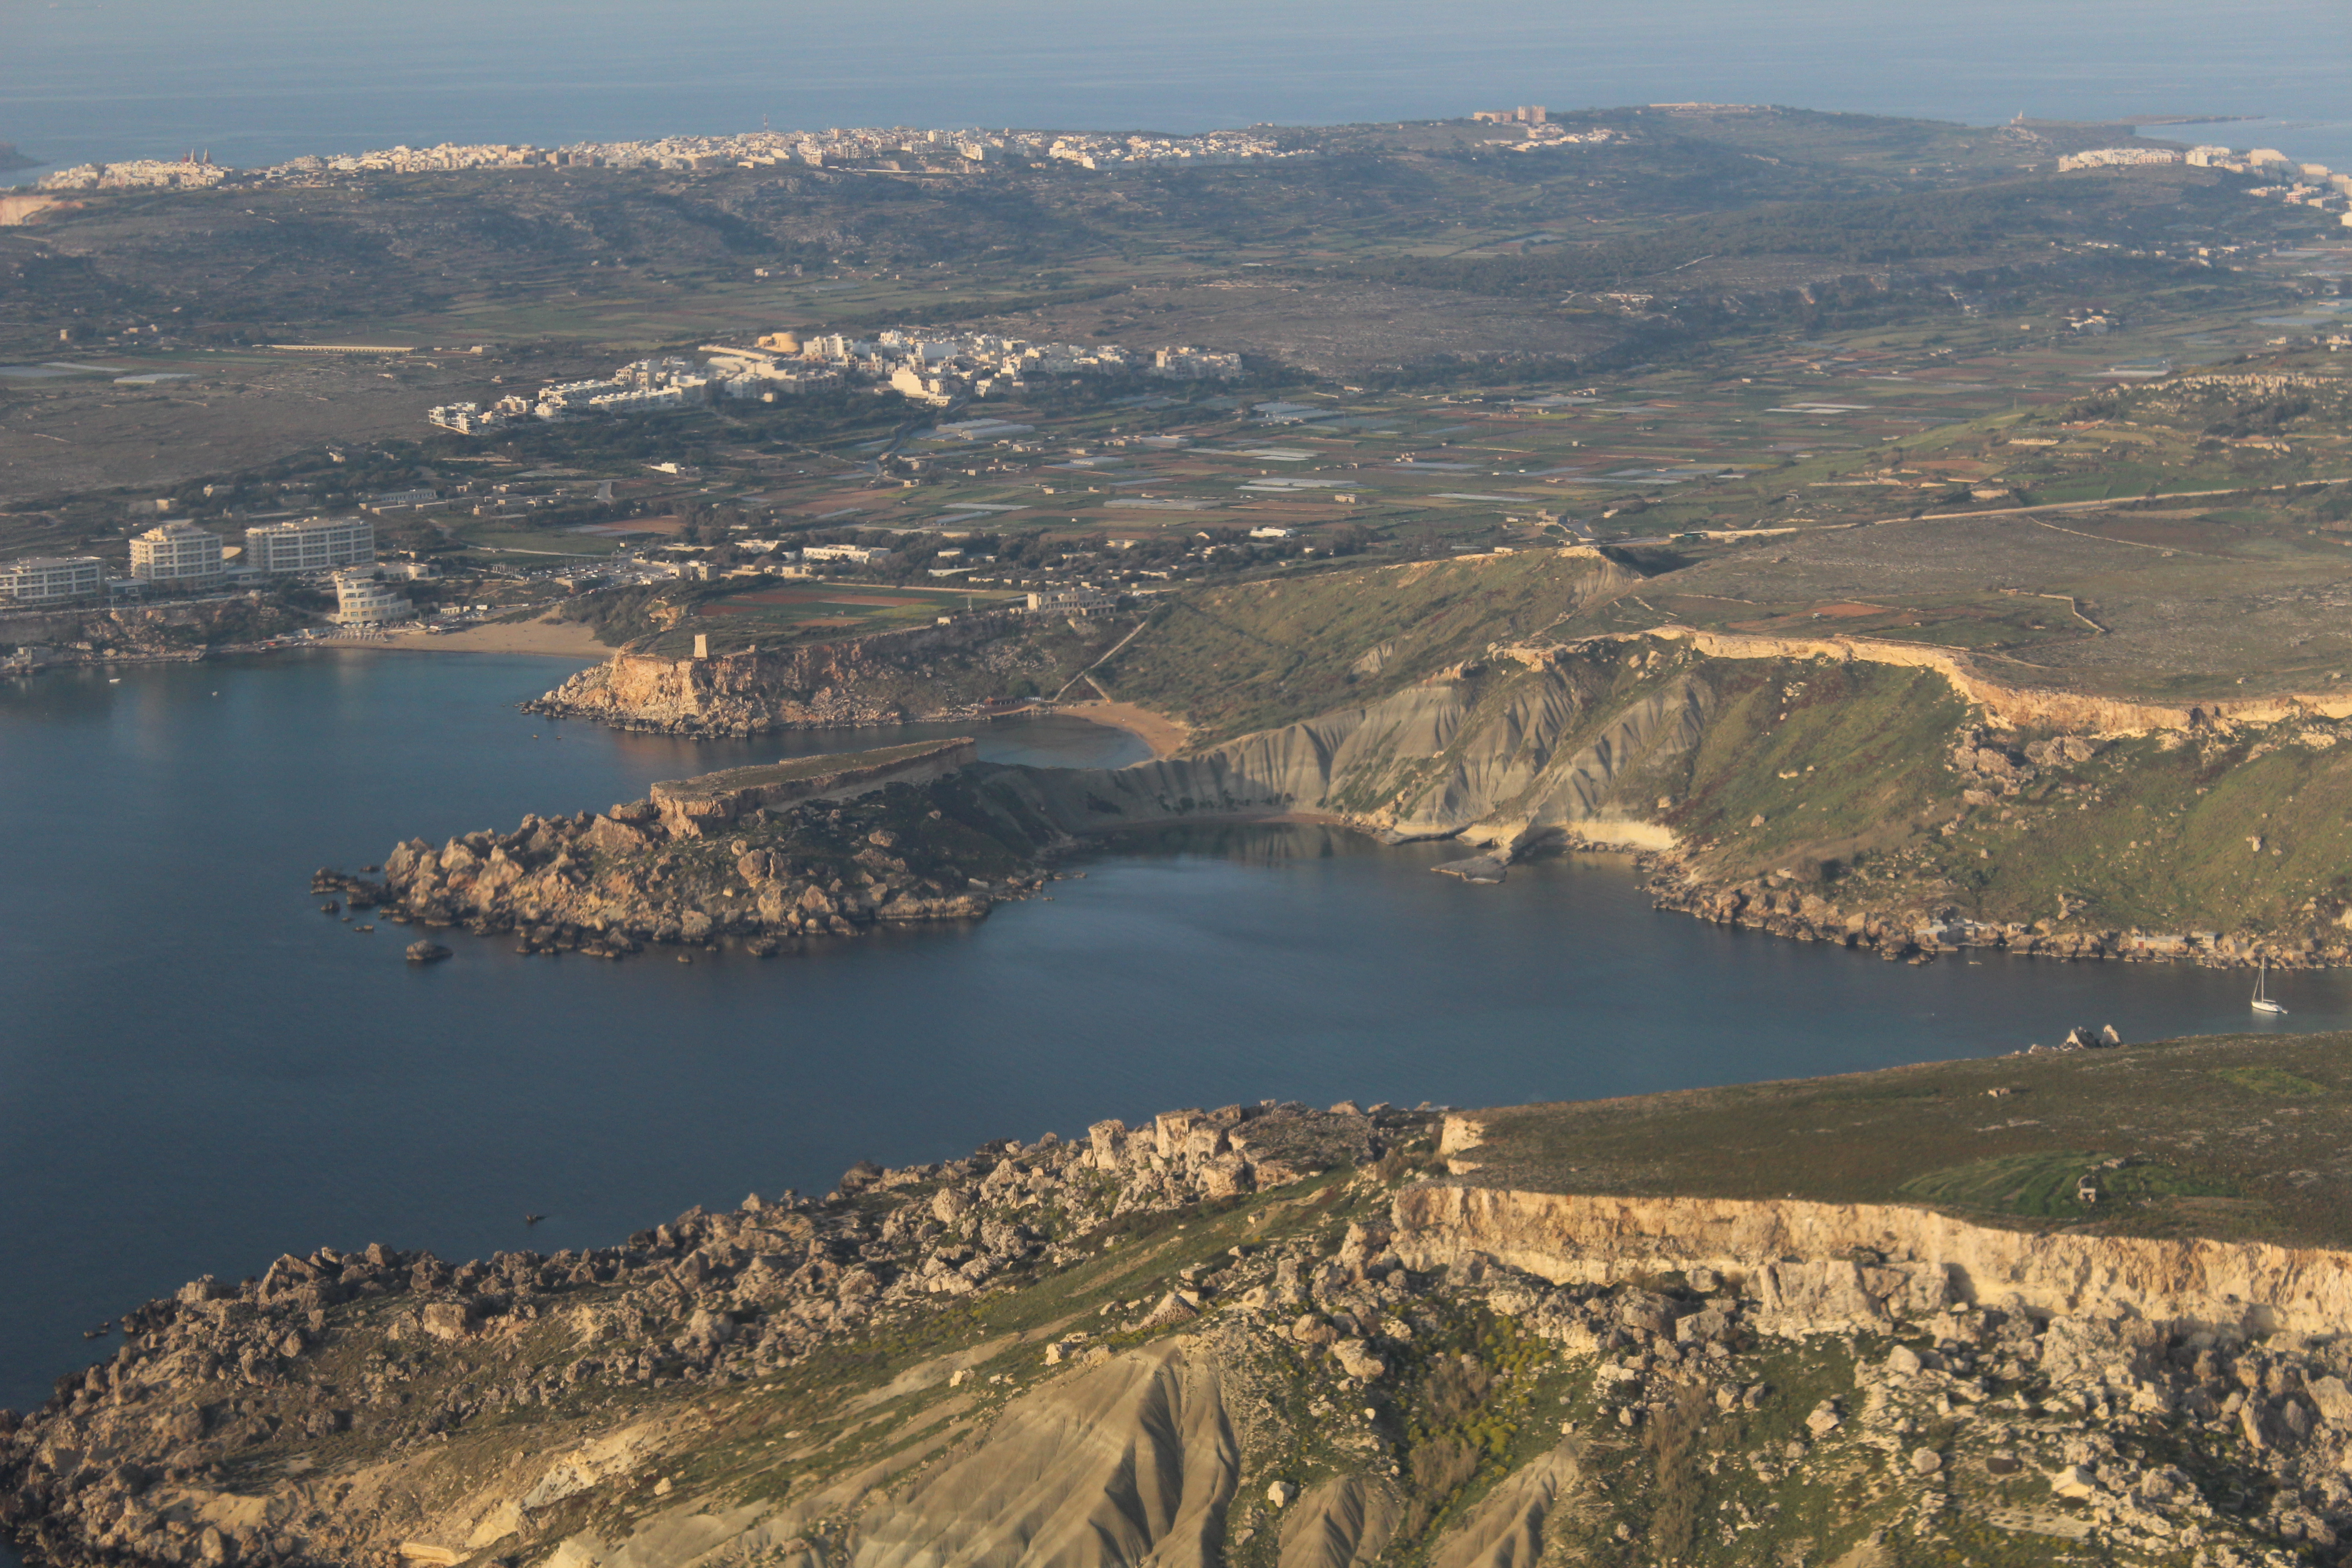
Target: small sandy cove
1164 735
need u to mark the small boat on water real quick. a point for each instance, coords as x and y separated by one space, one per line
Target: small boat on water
2261 1002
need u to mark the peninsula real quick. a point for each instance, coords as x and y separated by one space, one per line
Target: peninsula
2090 1305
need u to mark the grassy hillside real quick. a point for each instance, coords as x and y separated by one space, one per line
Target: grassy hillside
1243 657
2238 1135
1812 763
1859 801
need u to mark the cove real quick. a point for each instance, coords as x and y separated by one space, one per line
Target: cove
198 1070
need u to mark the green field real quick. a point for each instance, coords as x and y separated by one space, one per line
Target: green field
2218 1149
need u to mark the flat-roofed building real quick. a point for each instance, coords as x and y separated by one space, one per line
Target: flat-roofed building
361 601
1083 602
47 579
313 544
176 552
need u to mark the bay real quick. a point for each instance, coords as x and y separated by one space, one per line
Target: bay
198 1070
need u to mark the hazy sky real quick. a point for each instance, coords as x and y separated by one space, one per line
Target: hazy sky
266 78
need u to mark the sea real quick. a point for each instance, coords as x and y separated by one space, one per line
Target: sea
199 1071
256 81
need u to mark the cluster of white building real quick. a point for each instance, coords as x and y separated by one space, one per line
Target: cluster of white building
642 386
1544 134
1538 131
2297 183
179 555
2121 157
932 368
873 147
195 172
1217 147
937 367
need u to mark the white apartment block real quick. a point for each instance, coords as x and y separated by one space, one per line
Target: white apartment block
1077 601
176 552
48 579
313 544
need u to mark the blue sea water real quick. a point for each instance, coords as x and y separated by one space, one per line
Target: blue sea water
259 80
198 1070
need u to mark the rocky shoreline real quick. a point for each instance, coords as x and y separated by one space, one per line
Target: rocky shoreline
612 883
1917 935
146 1456
1919 930
1293 1323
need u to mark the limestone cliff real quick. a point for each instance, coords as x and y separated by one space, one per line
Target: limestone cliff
1921 1260
948 671
1258 1337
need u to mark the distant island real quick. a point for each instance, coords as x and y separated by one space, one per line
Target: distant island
10 158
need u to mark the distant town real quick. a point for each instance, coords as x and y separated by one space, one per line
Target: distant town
882 149
910 150
936 368
2296 183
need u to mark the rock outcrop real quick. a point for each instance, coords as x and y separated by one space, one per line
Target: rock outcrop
699 865
1348 1364
1919 1261
923 673
2025 706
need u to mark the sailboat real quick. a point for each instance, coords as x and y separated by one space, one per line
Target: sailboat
2263 1003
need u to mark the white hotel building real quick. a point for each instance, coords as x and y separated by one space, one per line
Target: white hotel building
314 544
52 579
361 601
178 552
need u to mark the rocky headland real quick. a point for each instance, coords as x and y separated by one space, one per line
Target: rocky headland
1278 1337
828 847
945 673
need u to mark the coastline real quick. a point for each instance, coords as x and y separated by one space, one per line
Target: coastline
569 639
1165 736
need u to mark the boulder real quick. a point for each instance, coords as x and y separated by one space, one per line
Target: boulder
427 952
449 1319
2334 1399
2074 1482
1173 1310
1311 1329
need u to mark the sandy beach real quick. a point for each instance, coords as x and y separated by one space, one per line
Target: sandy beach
1164 735
571 639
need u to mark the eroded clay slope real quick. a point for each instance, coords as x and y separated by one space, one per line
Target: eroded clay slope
1488 752
1131 1463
